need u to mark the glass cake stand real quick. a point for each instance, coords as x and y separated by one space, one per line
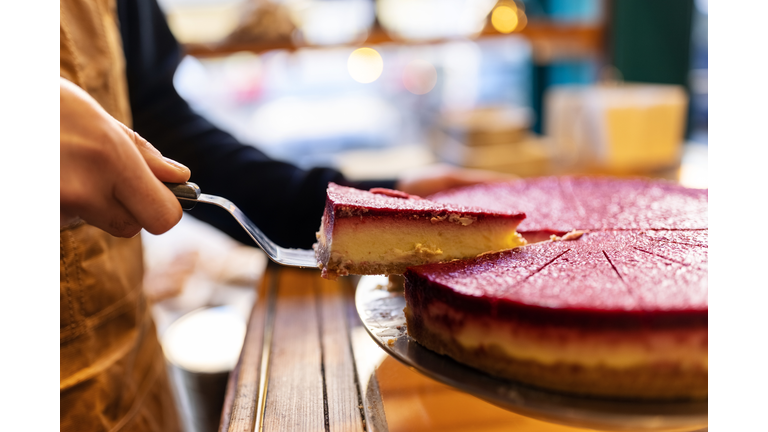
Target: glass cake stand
381 312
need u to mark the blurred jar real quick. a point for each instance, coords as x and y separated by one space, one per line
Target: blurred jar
331 22
421 20
202 21
617 129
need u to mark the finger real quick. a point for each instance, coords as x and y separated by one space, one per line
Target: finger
156 210
150 202
165 169
113 218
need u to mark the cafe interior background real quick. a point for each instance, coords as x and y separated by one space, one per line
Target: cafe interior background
375 87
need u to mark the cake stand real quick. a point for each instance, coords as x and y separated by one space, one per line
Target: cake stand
381 312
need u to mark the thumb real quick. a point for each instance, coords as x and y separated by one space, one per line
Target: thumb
165 169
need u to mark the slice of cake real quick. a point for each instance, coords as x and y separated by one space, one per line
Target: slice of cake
620 311
383 231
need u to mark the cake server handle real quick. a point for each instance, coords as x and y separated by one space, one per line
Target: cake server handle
190 194
187 193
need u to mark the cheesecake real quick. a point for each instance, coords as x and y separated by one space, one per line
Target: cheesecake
558 205
384 231
619 311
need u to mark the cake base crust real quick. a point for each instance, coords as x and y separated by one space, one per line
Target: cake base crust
653 382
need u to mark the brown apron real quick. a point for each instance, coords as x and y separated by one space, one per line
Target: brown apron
112 369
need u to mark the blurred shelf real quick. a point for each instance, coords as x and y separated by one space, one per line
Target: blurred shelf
550 41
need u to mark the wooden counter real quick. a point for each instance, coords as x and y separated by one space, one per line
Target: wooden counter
309 365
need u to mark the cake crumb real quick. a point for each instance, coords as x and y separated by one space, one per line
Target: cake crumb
573 235
390 342
426 250
461 219
492 252
438 218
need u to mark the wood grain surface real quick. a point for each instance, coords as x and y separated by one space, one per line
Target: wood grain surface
343 401
298 340
243 399
324 373
295 384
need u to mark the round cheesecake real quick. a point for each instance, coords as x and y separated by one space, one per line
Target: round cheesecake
620 311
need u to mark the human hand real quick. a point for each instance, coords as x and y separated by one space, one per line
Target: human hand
110 176
428 180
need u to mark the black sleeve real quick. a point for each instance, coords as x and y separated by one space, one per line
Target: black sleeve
284 201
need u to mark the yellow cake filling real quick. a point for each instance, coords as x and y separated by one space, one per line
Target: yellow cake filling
686 348
422 240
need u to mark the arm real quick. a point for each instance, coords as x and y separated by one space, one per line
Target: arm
284 201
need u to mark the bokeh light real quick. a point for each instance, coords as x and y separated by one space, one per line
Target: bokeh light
365 65
419 77
505 18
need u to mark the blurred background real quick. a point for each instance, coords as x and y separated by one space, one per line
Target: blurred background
527 87
374 87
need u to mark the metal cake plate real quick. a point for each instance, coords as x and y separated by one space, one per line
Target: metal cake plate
381 312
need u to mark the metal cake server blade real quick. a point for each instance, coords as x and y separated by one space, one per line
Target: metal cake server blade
189 194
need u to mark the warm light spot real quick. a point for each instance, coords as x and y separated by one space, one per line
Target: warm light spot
419 77
504 18
365 65
207 340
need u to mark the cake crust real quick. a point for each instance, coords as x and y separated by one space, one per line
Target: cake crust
660 381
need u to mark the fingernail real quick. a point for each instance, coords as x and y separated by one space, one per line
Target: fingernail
175 164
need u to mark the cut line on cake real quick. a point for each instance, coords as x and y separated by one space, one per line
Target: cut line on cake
616 271
661 256
539 270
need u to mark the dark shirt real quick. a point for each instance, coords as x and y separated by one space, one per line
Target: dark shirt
284 201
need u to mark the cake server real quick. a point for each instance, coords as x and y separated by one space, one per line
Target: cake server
190 194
